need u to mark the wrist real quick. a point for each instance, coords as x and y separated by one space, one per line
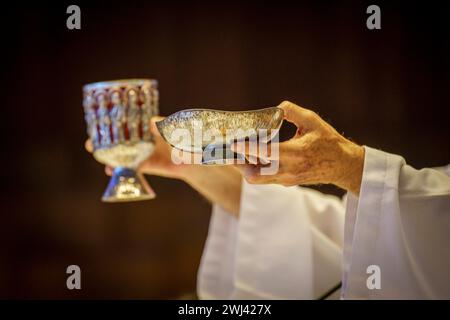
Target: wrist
352 166
190 173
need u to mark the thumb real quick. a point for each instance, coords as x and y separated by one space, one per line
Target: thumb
153 128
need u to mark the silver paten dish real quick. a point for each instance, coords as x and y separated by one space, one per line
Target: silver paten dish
214 130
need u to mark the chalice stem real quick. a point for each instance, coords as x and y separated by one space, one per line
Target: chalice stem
127 184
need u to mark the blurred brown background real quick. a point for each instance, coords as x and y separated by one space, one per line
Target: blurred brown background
386 88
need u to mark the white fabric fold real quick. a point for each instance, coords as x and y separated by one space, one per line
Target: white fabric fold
287 242
283 246
401 223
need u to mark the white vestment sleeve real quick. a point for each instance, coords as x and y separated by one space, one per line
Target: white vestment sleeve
400 223
286 244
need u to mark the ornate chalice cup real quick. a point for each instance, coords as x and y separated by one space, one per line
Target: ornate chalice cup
118 116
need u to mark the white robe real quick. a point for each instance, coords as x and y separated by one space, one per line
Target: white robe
296 243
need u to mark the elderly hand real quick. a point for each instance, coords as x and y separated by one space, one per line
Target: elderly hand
317 154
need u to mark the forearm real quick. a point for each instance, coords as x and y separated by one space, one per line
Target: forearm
218 184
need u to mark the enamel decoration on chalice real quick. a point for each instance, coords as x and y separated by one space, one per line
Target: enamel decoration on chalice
118 117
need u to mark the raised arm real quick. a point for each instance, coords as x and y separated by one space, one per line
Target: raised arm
218 184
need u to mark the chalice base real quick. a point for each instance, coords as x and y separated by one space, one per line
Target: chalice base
127 185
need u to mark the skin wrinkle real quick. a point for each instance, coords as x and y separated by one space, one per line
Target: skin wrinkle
317 154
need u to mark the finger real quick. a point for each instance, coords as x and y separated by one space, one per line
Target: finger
303 119
254 150
251 160
88 145
252 174
109 170
257 160
263 153
153 128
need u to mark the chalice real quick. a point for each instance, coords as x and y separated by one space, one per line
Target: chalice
117 115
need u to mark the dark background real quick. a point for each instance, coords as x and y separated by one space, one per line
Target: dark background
387 88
